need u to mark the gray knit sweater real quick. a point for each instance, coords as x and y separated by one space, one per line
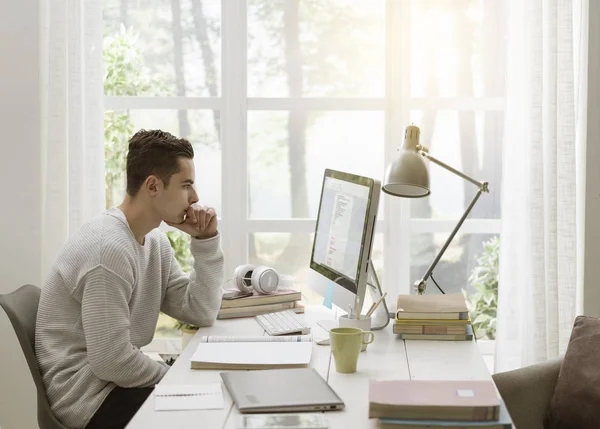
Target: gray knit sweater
100 304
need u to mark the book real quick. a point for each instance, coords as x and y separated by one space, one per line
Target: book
443 306
430 329
412 326
464 336
255 310
445 322
171 397
468 400
441 316
503 422
252 353
284 295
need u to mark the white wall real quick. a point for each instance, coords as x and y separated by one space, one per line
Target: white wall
19 144
591 278
20 194
18 404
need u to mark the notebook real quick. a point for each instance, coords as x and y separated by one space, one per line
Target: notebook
254 310
264 352
283 295
434 400
467 335
444 306
281 390
171 397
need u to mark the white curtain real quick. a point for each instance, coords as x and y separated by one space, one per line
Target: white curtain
539 239
72 120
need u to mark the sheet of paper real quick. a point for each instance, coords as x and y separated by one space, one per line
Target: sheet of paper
171 397
270 353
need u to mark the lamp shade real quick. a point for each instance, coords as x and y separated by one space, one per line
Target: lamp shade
407 175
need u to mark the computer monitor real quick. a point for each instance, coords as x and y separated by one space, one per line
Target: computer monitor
344 237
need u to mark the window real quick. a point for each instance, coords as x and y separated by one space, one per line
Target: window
271 92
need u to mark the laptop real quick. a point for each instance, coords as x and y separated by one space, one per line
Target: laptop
281 390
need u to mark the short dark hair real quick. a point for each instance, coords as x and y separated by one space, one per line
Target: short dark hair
154 152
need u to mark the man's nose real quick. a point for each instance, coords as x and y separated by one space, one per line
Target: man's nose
193 197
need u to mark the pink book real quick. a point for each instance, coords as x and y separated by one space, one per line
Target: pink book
442 400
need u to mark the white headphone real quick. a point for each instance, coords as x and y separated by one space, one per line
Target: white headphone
264 280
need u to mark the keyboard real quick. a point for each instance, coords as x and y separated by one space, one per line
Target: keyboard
282 323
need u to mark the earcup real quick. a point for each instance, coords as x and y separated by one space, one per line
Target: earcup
242 277
265 280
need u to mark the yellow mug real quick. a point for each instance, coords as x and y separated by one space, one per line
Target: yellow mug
345 346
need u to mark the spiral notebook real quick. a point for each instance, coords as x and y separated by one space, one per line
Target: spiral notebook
172 397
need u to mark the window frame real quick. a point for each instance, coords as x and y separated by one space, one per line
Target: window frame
234 106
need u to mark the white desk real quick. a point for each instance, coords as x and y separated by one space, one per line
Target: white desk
386 358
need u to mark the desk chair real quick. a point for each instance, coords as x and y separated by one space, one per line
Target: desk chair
21 307
527 392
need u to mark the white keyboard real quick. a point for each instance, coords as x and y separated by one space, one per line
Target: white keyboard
282 323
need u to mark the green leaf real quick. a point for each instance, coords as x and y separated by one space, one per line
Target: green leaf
484 279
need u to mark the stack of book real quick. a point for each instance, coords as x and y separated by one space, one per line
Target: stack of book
261 304
415 404
433 317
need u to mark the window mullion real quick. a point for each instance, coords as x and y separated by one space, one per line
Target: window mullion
396 250
233 134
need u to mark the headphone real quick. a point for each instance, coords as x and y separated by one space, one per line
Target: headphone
260 278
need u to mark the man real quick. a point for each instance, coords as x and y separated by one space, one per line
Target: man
102 298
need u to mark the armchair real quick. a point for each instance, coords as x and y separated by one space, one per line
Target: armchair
527 392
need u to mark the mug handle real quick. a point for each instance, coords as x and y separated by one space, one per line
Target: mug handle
369 333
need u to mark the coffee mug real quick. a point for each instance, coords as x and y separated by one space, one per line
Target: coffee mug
364 324
345 346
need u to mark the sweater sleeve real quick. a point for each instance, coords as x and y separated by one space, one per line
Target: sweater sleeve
106 325
196 298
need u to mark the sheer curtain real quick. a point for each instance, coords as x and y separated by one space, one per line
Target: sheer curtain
539 251
72 120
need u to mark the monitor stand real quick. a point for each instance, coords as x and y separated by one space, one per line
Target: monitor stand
380 317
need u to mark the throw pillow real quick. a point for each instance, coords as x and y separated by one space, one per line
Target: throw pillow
577 394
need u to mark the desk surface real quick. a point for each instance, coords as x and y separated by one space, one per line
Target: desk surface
386 358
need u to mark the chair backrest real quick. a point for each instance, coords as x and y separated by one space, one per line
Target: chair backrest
21 307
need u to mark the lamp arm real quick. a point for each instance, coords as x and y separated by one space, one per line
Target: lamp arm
483 187
424 152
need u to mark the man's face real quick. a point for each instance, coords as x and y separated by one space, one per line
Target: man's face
171 202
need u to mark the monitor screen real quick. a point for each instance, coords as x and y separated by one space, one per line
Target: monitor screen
344 227
339 230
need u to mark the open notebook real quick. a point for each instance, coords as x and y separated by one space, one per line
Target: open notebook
265 352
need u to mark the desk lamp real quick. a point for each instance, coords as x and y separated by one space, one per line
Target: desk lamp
407 177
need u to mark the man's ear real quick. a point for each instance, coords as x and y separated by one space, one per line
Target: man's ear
153 184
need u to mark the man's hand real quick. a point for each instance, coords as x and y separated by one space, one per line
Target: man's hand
200 222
